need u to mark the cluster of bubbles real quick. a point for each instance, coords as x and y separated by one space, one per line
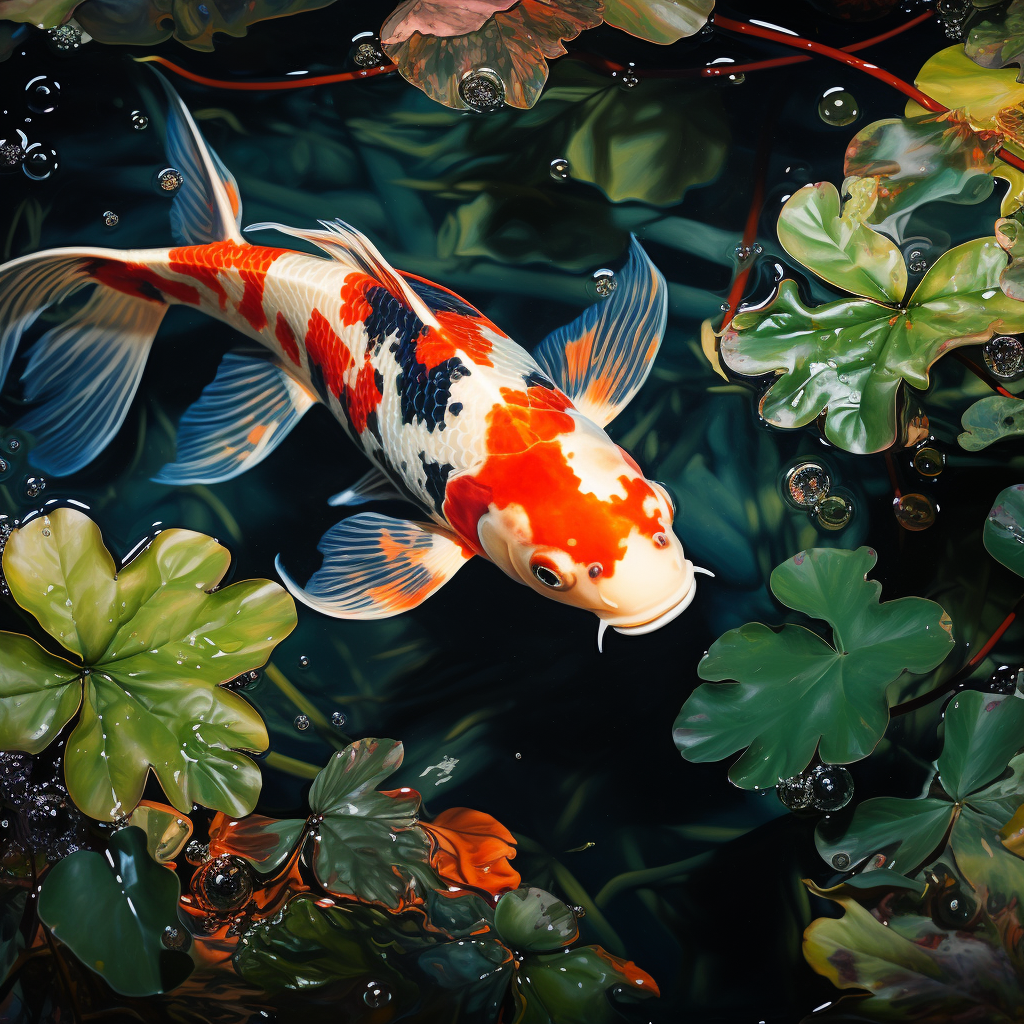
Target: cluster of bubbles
36 160
65 38
302 722
953 15
808 487
745 252
366 51
1004 679
826 787
11 451
627 78
837 107
242 681
1004 356
482 90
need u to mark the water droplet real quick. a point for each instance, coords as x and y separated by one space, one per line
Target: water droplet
737 78
13 444
629 79
953 908
197 852
303 661
175 937
377 994
838 107
807 483
40 161
831 787
223 883
929 461
841 861
66 37
604 283
795 793
367 54
170 179
139 121
301 723
834 512
110 219
914 512
11 155
1004 356
559 168
482 90
42 94
34 486
338 719
46 533
519 757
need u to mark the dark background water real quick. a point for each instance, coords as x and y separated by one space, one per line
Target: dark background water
564 746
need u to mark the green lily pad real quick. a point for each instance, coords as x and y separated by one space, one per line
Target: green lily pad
794 693
571 987
658 21
989 420
111 912
1010 236
533 920
851 356
995 39
914 970
839 247
983 733
41 13
917 160
264 842
155 639
1003 534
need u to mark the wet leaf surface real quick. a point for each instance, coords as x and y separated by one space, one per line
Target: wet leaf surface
991 419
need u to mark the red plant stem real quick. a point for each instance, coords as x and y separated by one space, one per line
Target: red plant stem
982 375
289 83
890 465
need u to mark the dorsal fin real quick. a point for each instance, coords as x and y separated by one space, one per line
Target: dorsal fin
343 242
207 207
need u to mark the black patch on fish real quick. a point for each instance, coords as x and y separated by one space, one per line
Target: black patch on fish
437 479
316 378
373 426
441 301
535 379
455 408
389 316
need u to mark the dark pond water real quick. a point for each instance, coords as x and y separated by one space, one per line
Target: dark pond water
570 749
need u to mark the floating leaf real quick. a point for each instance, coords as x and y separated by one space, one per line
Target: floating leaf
794 693
839 247
1004 529
917 160
512 42
166 830
571 987
995 39
913 969
658 21
532 920
264 842
41 13
850 356
983 732
991 419
472 849
154 642
1010 236
192 22
111 912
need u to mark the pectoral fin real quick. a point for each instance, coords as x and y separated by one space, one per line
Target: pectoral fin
373 485
603 357
375 567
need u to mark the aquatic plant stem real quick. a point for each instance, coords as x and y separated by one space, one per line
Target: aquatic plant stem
965 671
982 375
281 83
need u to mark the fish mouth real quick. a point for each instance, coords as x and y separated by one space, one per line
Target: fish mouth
662 618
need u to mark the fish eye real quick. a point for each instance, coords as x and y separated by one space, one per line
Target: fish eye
595 570
661 540
546 575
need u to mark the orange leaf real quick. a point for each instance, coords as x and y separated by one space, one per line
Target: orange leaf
473 849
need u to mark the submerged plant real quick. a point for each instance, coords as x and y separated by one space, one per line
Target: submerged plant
146 647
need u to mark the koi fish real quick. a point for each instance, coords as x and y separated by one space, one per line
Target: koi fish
503 452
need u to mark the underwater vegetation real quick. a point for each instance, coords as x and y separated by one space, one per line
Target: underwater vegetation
781 263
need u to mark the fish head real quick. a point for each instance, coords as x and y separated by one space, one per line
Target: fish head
583 526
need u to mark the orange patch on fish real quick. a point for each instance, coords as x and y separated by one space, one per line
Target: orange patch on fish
142 282
254 436
286 338
397 597
458 333
354 307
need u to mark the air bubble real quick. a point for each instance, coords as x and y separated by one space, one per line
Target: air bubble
834 512
604 283
42 94
1004 356
367 55
197 852
175 937
629 79
11 155
224 883
929 461
111 219
914 512
482 90
338 719
807 483
139 121
841 861
40 161
559 168
303 661
377 994
301 723
170 179
831 787
34 486
838 107
794 793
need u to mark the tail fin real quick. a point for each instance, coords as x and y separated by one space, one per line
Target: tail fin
86 370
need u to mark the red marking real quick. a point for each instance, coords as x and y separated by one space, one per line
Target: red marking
396 597
286 338
129 279
458 331
354 307
229 188
330 353
630 971
527 467
206 262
